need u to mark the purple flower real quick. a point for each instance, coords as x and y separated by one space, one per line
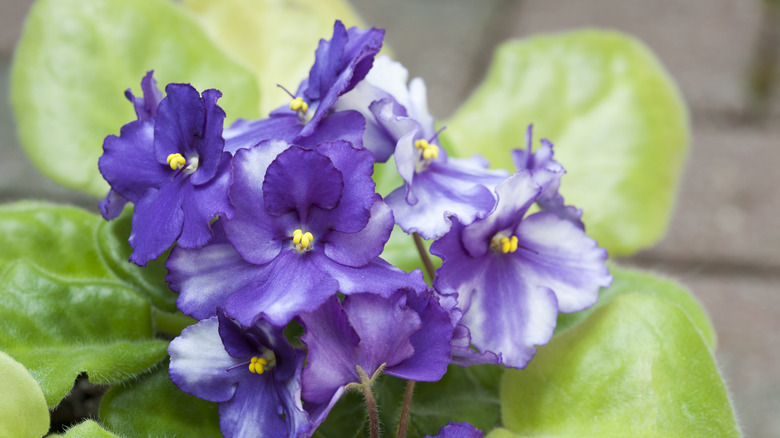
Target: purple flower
252 373
307 224
436 186
547 173
405 335
169 163
513 274
146 110
340 63
458 430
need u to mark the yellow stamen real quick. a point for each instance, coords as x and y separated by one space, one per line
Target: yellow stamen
302 241
299 105
257 364
429 151
176 161
504 244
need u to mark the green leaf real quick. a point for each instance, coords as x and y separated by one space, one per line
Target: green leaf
463 394
58 239
275 39
75 59
72 244
630 281
153 406
635 367
618 123
87 429
59 329
23 410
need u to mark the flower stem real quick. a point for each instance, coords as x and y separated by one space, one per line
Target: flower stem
403 422
426 259
170 323
368 393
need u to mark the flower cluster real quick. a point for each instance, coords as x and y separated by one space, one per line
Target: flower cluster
276 221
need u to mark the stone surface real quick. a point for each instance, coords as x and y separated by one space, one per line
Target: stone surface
705 44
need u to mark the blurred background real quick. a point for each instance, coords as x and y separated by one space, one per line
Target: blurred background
724 239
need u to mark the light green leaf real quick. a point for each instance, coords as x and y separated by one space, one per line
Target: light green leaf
23 410
635 367
87 429
72 244
630 281
59 329
502 433
76 58
275 39
153 406
618 123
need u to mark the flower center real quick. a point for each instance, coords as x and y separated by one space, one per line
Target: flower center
426 153
501 243
302 108
302 241
177 161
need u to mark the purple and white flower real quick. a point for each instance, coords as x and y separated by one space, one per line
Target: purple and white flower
513 274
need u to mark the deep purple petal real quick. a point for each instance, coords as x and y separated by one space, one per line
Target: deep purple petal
244 134
202 204
233 339
209 143
252 230
345 126
340 63
378 276
180 118
333 351
112 206
146 106
358 249
458 430
206 277
431 342
357 198
299 179
292 283
199 362
255 410
128 162
157 222
384 326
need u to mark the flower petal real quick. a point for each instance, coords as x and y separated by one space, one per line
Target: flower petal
157 222
358 249
199 362
128 162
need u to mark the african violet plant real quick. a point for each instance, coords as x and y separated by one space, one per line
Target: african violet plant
272 287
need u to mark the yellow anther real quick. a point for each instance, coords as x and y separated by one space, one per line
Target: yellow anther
176 161
299 105
301 240
429 151
257 364
504 244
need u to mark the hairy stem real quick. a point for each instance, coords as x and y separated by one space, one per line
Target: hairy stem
426 259
403 422
170 323
368 394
